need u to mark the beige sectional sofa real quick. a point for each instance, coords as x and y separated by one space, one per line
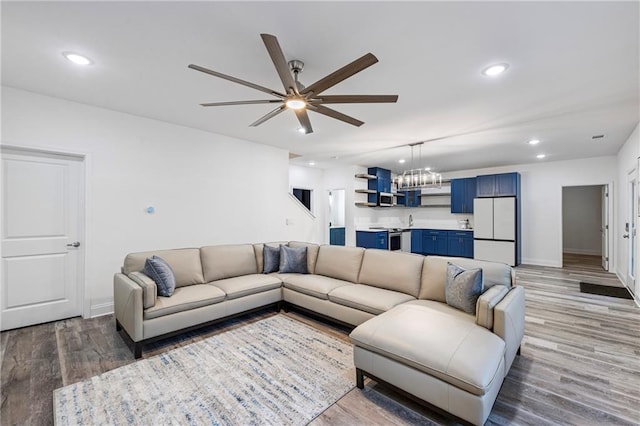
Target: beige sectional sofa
406 334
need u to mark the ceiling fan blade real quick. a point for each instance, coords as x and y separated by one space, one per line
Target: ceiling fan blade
303 118
265 117
273 47
341 74
353 99
236 80
266 101
335 114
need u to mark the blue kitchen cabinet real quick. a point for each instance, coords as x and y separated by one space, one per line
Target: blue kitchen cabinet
336 236
382 182
411 198
463 191
460 244
499 185
375 240
435 242
416 241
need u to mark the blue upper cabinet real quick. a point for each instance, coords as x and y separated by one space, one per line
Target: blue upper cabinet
500 185
463 191
383 181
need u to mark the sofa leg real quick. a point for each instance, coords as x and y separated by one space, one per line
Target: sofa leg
359 379
118 326
279 306
137 350
285 307
519 350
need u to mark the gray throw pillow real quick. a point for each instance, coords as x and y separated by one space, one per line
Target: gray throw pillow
159 270
271 259
293 259
463 287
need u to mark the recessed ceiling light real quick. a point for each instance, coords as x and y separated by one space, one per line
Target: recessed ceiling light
312 163
494 70
401 161
77 58
540 156
533 142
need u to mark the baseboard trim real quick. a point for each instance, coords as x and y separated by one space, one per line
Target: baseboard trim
542 262
582 251
101 309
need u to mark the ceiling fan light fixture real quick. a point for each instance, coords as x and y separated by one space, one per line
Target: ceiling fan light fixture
534 142
302 130
495 70
296 103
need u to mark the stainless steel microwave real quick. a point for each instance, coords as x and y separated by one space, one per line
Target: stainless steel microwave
385 199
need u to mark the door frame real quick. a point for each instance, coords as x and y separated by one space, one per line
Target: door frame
611 222
85 163
632 216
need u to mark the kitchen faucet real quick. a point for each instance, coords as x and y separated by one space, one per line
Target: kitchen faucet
410 221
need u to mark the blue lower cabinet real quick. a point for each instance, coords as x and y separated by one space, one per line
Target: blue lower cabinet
442 243
375 240
336 236
460 244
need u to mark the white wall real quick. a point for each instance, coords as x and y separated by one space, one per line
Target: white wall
206 188
582 220
627 163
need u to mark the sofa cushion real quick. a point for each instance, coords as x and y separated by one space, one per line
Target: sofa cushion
185 299
463 287
247 284
312 254
451 349
258 251
228 261
339 262
184 262
392 270
314 285
434 275
444 308
293 260
366 298
271 259
159 271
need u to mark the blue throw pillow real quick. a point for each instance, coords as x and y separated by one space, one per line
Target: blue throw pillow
159 270
293 259
463 287
271 259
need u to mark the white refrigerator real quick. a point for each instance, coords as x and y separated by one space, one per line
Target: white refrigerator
495 230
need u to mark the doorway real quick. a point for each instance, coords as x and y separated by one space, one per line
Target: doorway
42 237
630 229
337 217
585 225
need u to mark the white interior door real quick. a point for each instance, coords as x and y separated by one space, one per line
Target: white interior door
604 228
41 232
630 228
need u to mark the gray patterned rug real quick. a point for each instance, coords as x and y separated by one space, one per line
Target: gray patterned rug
274 371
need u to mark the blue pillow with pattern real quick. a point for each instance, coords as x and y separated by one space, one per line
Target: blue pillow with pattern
293 260
463 287
159 270
270 259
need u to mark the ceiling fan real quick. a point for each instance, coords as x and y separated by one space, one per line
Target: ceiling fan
296 96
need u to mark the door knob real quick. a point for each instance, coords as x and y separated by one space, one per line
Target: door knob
74 244
625 236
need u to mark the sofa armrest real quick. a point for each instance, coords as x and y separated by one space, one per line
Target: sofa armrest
509 322
487 302
149 288
127 299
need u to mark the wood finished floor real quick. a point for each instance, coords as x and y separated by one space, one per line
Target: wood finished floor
580 361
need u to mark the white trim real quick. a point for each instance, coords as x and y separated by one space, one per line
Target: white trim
582 251
101 309
542 262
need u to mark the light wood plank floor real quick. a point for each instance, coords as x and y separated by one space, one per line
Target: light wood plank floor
580 361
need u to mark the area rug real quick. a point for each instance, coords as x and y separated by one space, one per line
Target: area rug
605 290
275 371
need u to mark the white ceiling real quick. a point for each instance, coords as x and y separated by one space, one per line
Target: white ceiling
573 72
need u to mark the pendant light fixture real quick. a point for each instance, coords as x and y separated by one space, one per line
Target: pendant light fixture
418 177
